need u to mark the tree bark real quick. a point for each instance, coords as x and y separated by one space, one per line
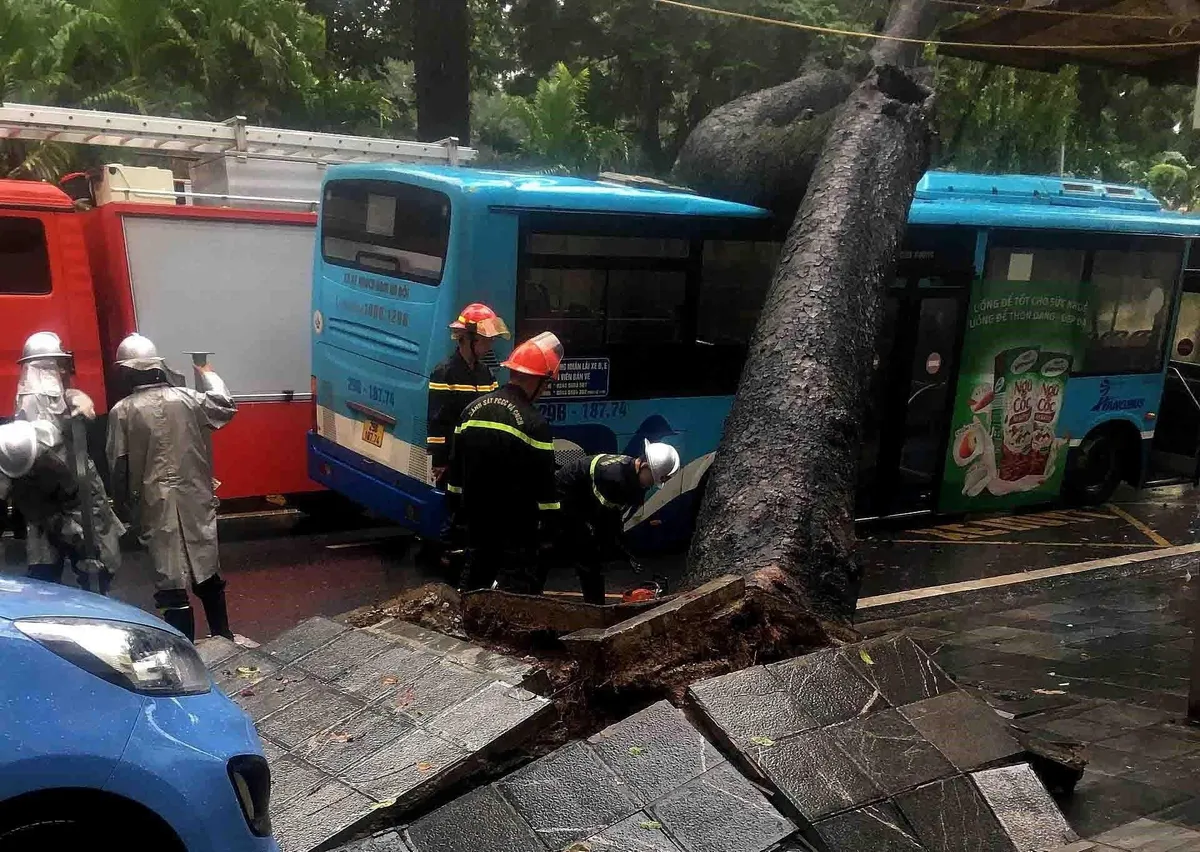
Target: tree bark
762 148
779 502
441 44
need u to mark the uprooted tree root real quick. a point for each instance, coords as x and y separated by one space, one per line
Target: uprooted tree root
763 625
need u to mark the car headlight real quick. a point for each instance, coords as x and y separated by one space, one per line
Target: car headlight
138 658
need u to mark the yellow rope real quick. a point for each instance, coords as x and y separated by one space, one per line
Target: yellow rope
881 37
1036 10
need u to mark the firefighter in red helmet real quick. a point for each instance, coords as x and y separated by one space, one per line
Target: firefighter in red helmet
460 380
503 473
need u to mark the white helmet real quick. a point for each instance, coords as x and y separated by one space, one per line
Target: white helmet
18 448
42 345
138 353
663 460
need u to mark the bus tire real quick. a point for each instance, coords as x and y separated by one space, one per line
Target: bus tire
1094 468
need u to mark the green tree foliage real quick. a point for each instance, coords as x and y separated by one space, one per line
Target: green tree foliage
557 133
264 59
1102 124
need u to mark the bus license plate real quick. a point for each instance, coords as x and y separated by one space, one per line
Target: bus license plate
373 433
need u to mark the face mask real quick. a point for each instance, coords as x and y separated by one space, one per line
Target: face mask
43 379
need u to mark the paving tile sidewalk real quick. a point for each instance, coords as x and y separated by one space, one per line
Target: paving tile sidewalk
1103 662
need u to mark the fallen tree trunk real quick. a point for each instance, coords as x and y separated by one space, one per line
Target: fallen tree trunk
778 506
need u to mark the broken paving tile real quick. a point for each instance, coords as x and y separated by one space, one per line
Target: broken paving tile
899 668
480 820
749 704
343 653
638 833
320 709
827 687
348 742
568 795
403 765
303 639
215 650
1025 810
383 674
721 812
435 689
891 751
419 638
487 715
951 816
274 693
243 671
875 828
510 670
655 751
815 775
306 822
966 731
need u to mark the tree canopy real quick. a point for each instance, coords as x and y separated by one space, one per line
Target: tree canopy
634 78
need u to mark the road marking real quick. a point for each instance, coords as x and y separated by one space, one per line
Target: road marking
578 595
1138 525
992 527
1016 579
1024 543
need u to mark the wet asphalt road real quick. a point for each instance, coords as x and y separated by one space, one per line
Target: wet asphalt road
283 567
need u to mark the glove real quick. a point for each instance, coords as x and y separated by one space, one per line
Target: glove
635 566
79 404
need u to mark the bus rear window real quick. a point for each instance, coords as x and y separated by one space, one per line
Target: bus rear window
391 228
24 261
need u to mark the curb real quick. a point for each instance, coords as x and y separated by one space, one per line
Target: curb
993 592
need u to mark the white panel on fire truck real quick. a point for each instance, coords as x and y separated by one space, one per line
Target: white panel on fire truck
126 183
241 290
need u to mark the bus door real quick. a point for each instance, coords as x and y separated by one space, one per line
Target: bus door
1175 452
915 370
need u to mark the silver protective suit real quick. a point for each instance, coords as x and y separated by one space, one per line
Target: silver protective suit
160 438
41 396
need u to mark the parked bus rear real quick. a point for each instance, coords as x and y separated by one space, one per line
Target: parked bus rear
613 270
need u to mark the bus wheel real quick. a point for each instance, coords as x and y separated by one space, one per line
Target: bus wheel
1093 469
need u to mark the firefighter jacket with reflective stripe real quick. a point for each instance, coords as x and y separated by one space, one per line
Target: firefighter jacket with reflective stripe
597 491
503 471
453 385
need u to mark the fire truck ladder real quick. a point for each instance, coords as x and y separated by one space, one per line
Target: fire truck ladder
186 137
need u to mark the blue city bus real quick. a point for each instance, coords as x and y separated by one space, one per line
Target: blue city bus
1039 338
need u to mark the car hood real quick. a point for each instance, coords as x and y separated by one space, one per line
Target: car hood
24 598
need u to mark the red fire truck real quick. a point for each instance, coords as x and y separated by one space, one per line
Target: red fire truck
227 271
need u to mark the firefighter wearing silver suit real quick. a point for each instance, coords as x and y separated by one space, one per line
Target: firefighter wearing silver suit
160 453
45 397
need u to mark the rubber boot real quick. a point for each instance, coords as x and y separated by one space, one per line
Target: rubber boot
216 611
591 583
182 619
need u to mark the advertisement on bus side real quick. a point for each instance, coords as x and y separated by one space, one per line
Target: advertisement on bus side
1006 447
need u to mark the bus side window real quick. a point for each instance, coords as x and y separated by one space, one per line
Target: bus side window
1130 310
734 279
24 259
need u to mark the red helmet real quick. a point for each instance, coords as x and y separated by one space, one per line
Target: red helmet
481 320
538 356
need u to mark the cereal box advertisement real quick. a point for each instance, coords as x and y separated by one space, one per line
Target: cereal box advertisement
1005 448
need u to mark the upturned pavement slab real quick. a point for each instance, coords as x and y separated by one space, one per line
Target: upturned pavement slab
649 783
356 721
1124 701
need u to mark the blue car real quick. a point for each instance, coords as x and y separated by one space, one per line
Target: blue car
113 736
